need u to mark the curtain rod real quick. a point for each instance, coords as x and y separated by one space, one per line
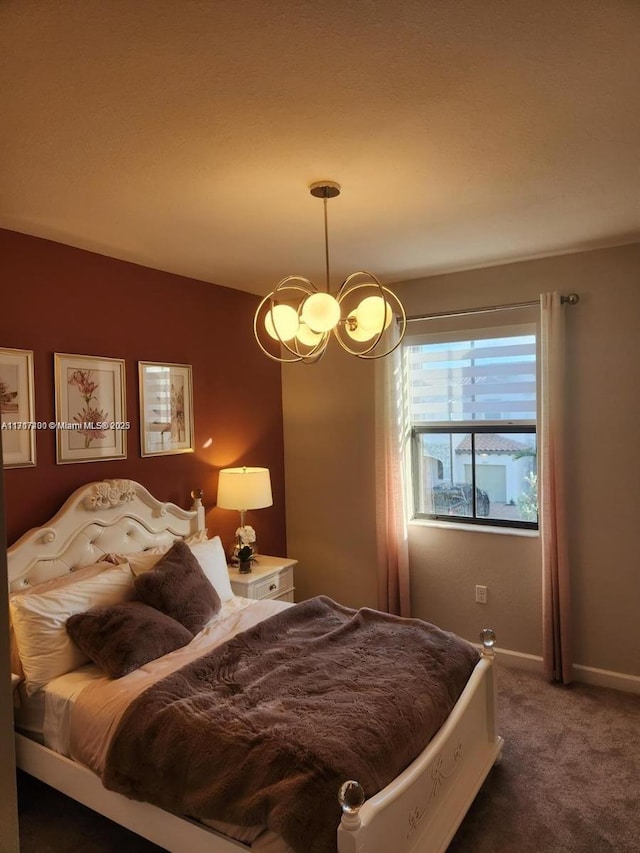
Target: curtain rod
571 299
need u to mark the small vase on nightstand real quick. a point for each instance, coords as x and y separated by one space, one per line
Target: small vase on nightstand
245 557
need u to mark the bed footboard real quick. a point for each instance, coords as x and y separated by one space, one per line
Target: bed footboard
423 807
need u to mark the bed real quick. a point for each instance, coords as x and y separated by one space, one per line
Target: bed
418 811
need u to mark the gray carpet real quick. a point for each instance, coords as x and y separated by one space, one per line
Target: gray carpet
569 781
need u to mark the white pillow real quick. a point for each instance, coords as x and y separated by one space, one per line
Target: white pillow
140 561
210 555
46 586
39 622
143 561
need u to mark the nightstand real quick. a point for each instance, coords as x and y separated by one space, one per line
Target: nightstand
270 577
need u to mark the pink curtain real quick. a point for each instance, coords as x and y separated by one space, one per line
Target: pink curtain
391 437
556 601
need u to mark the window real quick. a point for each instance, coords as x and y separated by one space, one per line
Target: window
472 408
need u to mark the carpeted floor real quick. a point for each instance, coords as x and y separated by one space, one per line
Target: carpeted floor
569 781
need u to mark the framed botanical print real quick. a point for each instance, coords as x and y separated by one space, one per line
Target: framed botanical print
90 408
17 411
166 408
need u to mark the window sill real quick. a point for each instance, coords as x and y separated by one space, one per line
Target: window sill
475 528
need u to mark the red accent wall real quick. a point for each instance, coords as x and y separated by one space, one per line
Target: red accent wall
56 298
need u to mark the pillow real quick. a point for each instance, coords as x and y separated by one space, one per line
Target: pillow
177 586
45 586
125 636
68 578
142 561
210 555
46 650
198 536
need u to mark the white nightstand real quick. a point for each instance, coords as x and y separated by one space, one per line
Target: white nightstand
270 577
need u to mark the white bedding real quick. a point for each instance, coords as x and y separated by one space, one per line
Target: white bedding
45 715
60 696
28 712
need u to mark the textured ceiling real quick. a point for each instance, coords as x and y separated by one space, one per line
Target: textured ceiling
183 135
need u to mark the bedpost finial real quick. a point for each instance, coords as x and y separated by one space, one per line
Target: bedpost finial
488 640
351 797
198 506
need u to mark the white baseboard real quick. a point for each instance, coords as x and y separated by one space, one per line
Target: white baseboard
606 678
585 674
520 660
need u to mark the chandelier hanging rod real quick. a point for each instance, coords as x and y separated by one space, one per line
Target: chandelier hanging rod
325 190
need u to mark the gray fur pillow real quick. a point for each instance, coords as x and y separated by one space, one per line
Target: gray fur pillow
177 586
125 636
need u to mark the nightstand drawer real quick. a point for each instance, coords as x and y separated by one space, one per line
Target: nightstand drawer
275 584
270 577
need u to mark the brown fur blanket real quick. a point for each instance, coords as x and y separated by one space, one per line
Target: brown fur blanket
265 728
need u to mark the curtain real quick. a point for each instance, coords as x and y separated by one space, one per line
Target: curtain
556 615
392 435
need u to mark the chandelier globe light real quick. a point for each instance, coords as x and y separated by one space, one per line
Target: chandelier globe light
295 322
282 323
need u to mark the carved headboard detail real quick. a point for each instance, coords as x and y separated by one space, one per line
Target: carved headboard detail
109 493
101 517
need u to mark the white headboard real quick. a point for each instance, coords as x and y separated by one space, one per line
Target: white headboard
109 516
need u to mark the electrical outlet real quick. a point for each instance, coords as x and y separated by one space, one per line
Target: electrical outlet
481 594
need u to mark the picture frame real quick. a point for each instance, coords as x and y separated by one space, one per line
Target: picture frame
166 408
17 408
91 424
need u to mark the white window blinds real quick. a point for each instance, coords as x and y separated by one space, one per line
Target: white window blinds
487 377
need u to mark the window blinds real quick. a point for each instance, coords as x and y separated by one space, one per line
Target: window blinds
478 379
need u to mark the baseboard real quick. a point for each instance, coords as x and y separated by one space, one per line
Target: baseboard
584 674
519 660
606 678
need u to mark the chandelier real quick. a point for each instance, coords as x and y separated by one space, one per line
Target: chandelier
296 320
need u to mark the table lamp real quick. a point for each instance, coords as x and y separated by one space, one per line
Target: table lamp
244 489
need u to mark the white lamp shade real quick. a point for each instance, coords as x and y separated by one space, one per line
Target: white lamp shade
244 488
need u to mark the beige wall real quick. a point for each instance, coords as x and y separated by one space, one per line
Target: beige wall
329 482
328 410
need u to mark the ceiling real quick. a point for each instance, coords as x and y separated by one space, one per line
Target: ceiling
183 135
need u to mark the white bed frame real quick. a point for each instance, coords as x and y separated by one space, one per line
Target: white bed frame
418 812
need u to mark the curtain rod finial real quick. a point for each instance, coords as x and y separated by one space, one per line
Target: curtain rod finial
571 299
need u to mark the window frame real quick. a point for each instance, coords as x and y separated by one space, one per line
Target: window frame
463 429
470 428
